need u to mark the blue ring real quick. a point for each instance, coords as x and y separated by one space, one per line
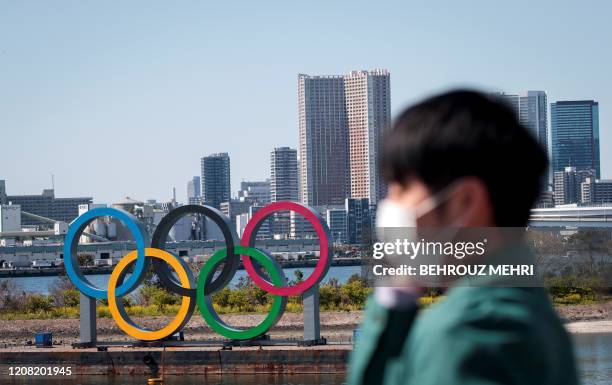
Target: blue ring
75 230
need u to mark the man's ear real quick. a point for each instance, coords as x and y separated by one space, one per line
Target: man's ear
470 205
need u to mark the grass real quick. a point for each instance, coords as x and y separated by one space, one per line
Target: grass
103 311
57 313
575 299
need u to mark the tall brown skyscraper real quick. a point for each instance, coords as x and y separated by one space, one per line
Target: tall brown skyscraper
341 123
368 107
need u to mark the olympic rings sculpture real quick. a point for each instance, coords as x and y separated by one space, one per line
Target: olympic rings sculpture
150 252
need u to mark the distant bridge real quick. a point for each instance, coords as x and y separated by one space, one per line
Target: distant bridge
116 250
572 216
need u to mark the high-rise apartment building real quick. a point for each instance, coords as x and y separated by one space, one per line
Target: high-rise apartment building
533 114
284 186
511 100
323 140
216 187
283 174
336 221
358 221
531 109
193 191
3 200
368 107
341 122
575 135
263 231
568 185
595 191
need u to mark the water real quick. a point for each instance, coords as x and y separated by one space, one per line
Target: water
231 379
41 285
594 355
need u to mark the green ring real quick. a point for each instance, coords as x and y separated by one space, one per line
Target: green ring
205 304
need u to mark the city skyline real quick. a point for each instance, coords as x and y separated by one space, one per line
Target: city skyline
129 110
522 103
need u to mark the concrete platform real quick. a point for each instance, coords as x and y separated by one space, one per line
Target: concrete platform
183 360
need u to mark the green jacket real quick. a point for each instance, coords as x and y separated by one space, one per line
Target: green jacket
476 336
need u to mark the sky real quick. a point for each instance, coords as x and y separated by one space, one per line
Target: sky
122 99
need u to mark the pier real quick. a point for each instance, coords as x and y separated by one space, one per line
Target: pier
125 360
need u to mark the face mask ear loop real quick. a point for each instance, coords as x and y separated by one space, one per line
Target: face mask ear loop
436 200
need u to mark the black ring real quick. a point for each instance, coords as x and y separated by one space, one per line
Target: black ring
232 261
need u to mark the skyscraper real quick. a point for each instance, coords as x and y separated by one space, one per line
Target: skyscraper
193 190
358 221
368 107
323 140
511 100
341 123
283 174
336 221
283 185
568 185
533 114
3 200
575 135
215 177
530 108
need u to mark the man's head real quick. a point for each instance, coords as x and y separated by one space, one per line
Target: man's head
471 148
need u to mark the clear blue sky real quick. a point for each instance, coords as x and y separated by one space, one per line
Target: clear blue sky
123 98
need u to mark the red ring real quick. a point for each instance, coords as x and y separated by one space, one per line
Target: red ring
319 227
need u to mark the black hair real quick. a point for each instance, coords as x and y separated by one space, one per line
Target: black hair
466 133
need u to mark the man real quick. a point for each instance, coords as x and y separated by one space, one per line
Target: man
489 167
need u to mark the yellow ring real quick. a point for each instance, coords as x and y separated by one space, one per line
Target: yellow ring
141 334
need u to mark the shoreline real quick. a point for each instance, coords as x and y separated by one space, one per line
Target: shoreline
102 270
589 327
336 326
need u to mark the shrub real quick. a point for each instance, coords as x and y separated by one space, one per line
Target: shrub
64 294
154 295
38 303
10 297
222 297
569 299
329 297
564 286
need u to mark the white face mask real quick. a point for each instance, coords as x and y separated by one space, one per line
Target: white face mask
393 214
395 221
